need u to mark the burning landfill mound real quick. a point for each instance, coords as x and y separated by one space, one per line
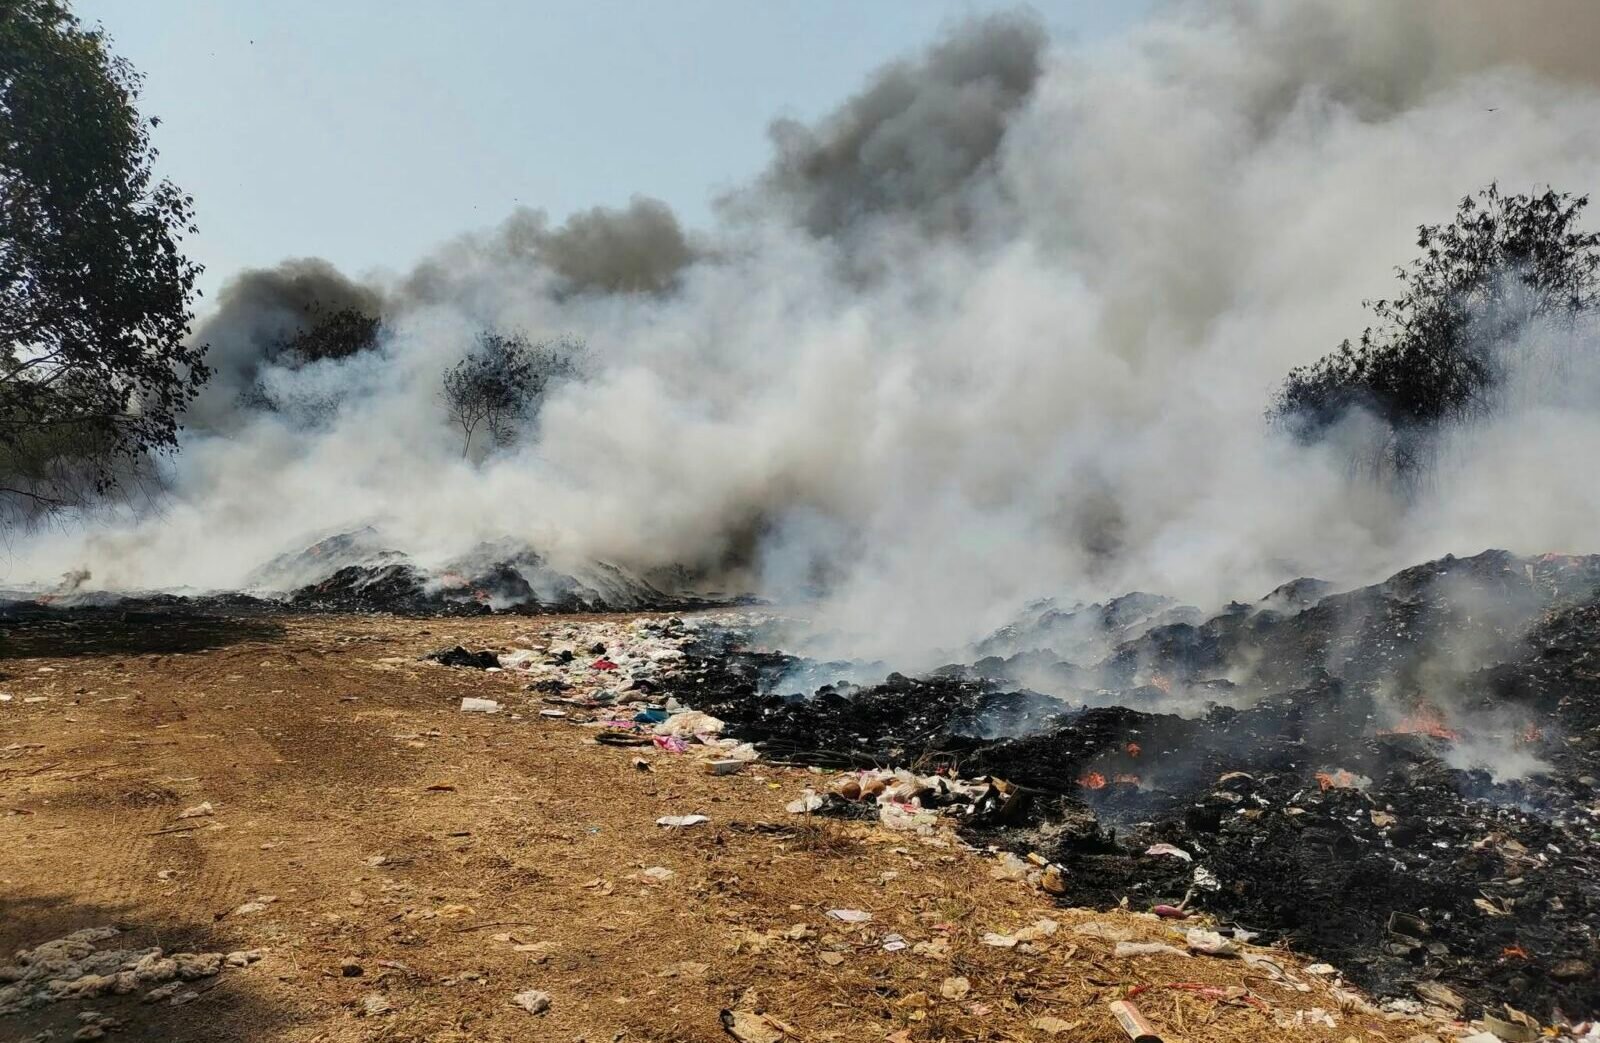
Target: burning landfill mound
1398 779
1395 779
358 572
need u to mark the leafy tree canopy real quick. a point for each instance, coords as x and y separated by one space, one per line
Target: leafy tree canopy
95 294
1435 352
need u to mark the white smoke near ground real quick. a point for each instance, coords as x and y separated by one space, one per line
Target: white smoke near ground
1004 325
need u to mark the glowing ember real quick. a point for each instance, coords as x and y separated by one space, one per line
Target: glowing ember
1338 779
1425 719
1092 780
1513 952
1133 749
1127 780
1161 681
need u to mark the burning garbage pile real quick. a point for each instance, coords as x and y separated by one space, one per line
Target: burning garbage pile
1399 779
358 572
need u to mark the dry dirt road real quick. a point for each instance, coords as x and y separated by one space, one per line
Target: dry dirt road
407 868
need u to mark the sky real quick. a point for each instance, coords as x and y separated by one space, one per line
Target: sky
369 131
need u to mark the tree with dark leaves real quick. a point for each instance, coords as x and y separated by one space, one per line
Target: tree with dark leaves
1437 352
95 295
498 386
335 333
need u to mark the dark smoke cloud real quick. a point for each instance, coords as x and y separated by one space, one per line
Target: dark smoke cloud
637 249
641 248
257 311
917 139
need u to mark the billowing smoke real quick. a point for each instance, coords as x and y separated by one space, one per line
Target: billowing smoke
1002 325
257 314
918 143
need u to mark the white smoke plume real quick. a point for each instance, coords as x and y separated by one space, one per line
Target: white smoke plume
1003 325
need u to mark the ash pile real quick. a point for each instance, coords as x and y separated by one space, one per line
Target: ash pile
1401 779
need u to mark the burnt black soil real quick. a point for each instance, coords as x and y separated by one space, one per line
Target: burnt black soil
1335 808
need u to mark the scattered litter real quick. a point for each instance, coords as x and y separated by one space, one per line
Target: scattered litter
747 1026
724 767
690 723
955 988
553 714
681 821
1169 849
999 941
893 943
1053 1026
1132 1022
198 811
1010 867
850 915
1210 942
658 874
1103 930
471 704
459 656
1126 950
806 803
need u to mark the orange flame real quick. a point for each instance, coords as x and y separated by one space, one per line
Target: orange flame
1513 952
1425 719
1133 749
1336 779
1092 780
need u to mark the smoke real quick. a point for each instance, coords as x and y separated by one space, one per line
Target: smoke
257 313
917 143
1002 325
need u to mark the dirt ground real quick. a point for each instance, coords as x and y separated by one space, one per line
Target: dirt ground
458 859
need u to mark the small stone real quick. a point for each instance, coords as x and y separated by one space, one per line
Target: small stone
198 811
90 1032
194 966
832 959
155 969
242 958
532 1000
183 998
162 992
1571 970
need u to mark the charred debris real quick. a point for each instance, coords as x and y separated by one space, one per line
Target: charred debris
1400 779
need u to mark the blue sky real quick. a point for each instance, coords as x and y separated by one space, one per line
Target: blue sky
368 131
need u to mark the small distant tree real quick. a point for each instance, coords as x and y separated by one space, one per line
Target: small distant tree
1436 352
498 386
331 333
95 365
326 333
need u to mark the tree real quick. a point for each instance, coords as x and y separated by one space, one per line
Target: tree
499 385
95 295
1438 351
325 333
336 333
